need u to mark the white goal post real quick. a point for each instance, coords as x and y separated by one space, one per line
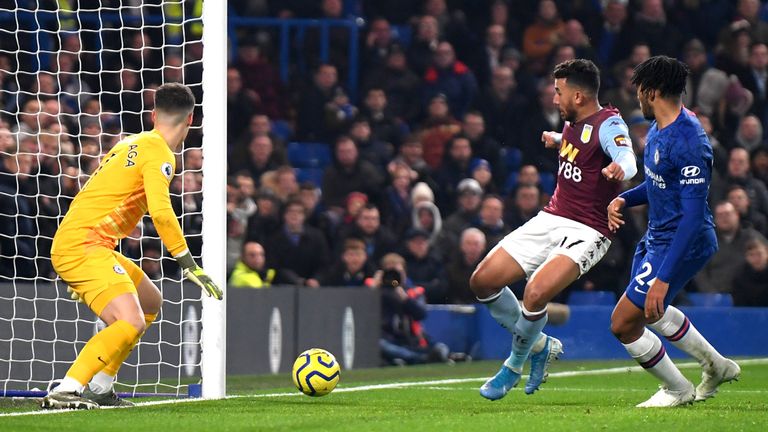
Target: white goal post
75 77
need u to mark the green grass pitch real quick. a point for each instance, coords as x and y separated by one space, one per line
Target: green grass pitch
580 396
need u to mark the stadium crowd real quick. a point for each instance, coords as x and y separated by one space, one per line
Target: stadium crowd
437 158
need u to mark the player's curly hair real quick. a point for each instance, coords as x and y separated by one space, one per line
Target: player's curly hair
662 73
580 73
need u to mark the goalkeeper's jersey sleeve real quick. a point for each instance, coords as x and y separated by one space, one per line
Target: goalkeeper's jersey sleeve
131 179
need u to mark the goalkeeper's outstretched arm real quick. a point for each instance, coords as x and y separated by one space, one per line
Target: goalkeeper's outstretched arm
156 181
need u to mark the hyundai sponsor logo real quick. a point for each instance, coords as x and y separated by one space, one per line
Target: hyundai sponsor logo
690 171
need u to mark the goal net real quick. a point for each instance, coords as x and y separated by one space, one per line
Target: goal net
76 77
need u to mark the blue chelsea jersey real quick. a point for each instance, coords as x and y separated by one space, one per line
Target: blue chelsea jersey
678 165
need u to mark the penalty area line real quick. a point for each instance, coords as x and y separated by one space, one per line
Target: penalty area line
430 383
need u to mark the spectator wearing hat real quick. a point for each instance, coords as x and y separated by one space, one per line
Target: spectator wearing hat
251 270
421 192
424 267
469 194
352 270
481 171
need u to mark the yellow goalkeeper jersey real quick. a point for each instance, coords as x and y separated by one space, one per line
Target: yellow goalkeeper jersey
132 178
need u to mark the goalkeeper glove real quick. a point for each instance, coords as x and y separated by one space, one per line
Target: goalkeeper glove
74 295
194 273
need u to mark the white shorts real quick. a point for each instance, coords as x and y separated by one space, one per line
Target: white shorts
547 235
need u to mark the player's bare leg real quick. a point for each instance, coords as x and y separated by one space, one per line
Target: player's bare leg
628 324
100 389
125 322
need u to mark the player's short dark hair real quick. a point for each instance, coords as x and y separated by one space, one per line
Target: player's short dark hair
174 99
581 73
662 73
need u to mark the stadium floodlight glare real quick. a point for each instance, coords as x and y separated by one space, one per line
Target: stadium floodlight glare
73 82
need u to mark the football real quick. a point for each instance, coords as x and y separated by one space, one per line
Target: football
316 372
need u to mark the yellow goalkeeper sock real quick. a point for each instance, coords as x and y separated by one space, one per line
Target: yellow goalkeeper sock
105 346
114 366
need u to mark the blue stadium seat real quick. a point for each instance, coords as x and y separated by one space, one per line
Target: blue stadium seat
711 299
309 155
548 182
512 158
402 33
314 175
282 129
607 298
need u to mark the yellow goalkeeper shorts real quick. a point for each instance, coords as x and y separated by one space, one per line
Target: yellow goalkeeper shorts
98 276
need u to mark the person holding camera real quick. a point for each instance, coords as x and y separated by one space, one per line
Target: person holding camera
403 306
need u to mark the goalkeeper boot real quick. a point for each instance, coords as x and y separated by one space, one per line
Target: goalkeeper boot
540 363
109 398
666 398
67 400
714 374
501 383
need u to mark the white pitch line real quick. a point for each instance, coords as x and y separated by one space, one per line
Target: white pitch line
565 374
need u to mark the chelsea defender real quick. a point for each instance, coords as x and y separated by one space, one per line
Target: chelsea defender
131 179
679 241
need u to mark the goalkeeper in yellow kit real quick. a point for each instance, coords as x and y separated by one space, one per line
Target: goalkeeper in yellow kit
132 178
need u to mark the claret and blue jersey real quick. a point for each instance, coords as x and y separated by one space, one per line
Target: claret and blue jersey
680 237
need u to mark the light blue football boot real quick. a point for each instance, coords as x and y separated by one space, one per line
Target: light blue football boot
501 383
540 363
